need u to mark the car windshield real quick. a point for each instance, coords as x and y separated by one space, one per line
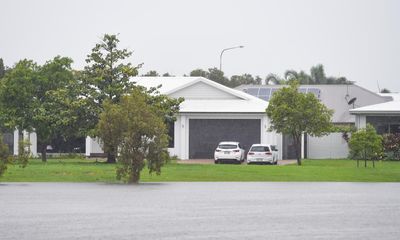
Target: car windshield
227 146
259 149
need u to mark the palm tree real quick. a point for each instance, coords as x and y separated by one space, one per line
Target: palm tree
317 76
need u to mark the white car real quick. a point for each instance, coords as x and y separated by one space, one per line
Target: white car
263 153
229 151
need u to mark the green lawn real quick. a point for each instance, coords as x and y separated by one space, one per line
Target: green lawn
78 170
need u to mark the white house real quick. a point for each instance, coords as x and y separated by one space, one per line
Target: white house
210 113
341 99
385 117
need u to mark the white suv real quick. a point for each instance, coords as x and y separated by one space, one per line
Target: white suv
262 153
229 151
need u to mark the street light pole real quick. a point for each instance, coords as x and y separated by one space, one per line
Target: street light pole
220 56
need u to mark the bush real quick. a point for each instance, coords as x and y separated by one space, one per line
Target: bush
391 146
366 144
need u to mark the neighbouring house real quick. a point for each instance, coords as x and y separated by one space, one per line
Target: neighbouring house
12 138
210 113
342 99
385 117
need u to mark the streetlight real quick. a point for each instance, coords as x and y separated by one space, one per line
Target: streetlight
220 56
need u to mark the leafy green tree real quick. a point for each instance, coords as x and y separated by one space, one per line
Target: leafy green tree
139 132
17 94
199 73
43 99
213 74
294 113
366 144
107 76
57 103
238 80
151 73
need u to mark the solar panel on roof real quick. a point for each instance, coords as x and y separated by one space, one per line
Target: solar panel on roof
253 91
265 98
264 91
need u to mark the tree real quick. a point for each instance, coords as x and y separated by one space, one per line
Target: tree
213 74
237 80
317 76
17 95
366 144
294 113
167 75
2 69
107 76
151 73
139 132
4 156
58 104
199 73
43 99
273 79
385 90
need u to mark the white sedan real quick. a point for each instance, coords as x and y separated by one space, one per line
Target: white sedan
229 151
262 153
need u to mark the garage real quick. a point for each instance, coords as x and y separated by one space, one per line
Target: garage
205 134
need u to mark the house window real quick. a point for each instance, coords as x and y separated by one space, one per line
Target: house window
385 124
171 135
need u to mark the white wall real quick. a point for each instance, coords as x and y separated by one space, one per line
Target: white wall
202 90
332 146
92 145
361 121
31 137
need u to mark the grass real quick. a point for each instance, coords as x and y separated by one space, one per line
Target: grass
80 170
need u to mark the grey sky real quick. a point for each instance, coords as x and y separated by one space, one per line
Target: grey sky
357 39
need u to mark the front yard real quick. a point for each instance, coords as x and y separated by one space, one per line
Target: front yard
82 170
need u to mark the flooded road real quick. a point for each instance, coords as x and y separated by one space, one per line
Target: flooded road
227 210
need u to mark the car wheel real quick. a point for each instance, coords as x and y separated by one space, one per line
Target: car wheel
216 161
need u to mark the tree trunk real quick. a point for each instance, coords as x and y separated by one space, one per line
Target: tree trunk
43 153
111 158
297 143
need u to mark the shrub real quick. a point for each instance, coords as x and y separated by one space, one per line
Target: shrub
366 144
391 145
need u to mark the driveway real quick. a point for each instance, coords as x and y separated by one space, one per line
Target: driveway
200 211
211 161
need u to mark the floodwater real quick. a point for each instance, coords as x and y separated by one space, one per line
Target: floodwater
218 210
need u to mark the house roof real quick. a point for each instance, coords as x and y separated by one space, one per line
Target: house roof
392 107
394 96
240 103
336 97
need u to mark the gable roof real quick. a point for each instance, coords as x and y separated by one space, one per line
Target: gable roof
171 85
392 107
241 103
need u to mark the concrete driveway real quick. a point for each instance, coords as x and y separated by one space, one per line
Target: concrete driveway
200 211
211 161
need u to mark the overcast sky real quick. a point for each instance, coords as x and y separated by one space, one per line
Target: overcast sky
356 39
